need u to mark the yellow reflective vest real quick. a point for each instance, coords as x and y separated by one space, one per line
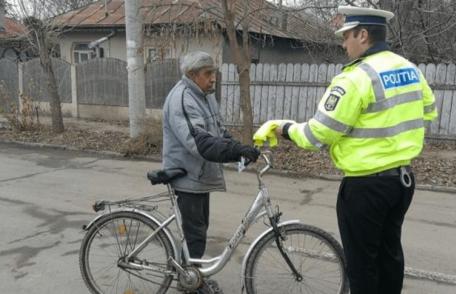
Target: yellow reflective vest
372 116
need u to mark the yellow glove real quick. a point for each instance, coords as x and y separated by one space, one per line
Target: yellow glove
267 132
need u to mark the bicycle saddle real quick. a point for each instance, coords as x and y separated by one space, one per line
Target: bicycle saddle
164 176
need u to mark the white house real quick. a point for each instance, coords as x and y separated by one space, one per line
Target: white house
173 27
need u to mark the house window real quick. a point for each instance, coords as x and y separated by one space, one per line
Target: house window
82 52
152 54
254 53
157 54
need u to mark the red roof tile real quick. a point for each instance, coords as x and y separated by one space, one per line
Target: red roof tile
13 28
266 18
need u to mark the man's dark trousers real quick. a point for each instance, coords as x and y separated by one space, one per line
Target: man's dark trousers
194 208
370 212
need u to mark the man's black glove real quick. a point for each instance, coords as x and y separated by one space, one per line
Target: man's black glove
248 152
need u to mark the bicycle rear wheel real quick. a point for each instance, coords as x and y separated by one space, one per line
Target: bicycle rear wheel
316 255
114 236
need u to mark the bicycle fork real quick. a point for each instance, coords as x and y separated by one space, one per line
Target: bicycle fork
279 238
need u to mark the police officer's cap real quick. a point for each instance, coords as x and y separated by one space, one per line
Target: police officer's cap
355 16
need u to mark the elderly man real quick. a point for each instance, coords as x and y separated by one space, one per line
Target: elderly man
195 139
372 118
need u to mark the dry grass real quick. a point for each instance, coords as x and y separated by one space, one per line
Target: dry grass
25 118
435 166
149 142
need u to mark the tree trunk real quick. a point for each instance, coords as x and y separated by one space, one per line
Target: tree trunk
244 77
241 58
424 27
246 107
39 39
54 98
56 110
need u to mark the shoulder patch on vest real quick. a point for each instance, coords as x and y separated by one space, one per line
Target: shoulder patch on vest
339 90
331 102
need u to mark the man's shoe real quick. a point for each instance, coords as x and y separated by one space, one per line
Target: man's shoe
209 287
214 286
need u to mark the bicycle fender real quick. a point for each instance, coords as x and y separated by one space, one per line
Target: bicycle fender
244 261
150 217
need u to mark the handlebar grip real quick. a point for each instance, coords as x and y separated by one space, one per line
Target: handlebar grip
99 205
247 161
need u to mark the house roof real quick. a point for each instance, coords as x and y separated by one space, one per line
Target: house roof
266 18
12 29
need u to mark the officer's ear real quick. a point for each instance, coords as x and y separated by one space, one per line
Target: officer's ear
364 36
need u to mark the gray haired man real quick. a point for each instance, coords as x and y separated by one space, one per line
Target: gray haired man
195 139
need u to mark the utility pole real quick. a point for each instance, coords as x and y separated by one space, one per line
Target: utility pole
135 67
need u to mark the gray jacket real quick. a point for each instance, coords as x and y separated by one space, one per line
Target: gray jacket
179 146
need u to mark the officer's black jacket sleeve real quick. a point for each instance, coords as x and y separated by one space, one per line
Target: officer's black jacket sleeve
217 149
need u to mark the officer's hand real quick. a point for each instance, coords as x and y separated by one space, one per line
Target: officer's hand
267 132
250 153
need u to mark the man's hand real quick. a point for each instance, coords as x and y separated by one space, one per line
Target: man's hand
249 152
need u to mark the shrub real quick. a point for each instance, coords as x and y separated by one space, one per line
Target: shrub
23 119
148 142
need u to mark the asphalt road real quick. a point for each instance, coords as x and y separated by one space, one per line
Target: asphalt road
46 197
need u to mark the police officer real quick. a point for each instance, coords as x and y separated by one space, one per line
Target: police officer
372 119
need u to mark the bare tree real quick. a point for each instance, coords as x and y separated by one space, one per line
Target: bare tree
239 43
324 10
42 36
62 6
242 59
422 30
235 18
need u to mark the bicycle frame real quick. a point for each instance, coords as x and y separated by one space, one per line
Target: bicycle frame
179 265
255 212
261 206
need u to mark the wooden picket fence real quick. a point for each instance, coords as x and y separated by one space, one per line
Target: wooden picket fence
289 91
293 91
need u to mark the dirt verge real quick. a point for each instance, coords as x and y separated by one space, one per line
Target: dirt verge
435 166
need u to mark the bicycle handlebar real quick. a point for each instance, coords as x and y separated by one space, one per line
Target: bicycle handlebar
267 157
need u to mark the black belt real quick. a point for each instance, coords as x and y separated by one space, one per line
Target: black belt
403 172
391 172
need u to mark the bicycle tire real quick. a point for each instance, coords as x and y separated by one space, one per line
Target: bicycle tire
277 277
115 235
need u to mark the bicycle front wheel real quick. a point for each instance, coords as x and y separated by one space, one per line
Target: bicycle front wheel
316 255
112 238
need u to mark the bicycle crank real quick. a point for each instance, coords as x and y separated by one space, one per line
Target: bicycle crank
189 278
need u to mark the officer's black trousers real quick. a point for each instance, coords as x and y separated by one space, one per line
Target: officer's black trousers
194 209
370 212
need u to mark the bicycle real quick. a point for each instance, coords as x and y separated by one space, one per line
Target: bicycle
130 248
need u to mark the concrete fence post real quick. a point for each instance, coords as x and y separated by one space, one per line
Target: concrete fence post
20 75
74 93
